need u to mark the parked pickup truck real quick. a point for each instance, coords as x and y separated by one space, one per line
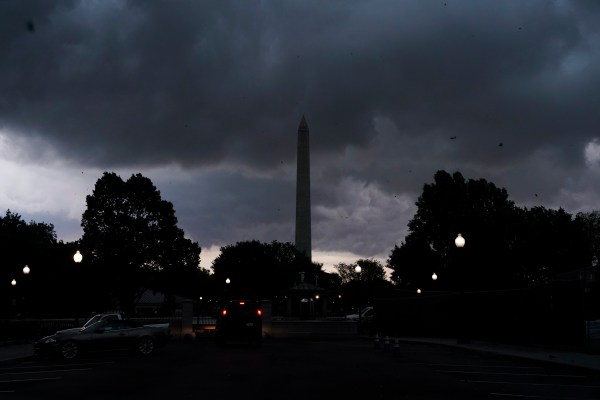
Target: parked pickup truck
110 317
102 335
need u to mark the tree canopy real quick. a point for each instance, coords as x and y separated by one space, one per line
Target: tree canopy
371 271
358 289
590 224
50 282
133 241
506 246
263 270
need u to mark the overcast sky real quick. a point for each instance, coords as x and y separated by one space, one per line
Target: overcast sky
205 97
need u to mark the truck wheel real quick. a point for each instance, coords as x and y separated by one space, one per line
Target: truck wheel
145 346
69 350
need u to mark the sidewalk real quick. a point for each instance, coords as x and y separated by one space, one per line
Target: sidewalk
571 358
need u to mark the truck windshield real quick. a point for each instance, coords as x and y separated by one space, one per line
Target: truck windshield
92 320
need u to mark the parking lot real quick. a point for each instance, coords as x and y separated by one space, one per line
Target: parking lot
295 369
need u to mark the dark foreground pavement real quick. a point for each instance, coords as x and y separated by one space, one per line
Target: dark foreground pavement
14 352
299 369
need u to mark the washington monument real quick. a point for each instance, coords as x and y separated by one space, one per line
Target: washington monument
303 233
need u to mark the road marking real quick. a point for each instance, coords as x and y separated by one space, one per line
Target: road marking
524 396
508 373
54 371
32 380
477 366
532 384
57 365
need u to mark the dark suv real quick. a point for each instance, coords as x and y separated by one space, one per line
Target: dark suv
239 321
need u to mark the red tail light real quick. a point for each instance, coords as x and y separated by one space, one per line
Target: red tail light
242 303
224 312
259 312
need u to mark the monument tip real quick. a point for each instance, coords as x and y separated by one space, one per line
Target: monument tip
303 125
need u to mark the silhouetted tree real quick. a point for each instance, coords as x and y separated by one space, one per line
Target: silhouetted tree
550 242
371 271
590 223
478 210
414 262
362 287
132 240
506 246
262 270
49 283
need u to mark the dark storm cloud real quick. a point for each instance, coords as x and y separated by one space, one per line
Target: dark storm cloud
392 90
200 83
220 203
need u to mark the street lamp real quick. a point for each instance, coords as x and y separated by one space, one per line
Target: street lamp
434 277
460 243
227 292
77 257
26 270
13 282
358 270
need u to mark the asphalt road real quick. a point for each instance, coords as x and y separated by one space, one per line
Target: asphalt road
350 369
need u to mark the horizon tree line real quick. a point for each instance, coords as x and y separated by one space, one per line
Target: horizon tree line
131 243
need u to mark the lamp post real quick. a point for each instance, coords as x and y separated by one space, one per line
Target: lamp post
26 291
358 270
460 242
227 294
20 295
200 311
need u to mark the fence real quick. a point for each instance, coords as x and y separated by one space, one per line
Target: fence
546 314
592 329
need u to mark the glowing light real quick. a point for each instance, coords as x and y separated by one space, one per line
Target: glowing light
77 257
434 276
13 282
418 291
459 241
26 270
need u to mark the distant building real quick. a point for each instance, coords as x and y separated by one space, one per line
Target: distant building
306 300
